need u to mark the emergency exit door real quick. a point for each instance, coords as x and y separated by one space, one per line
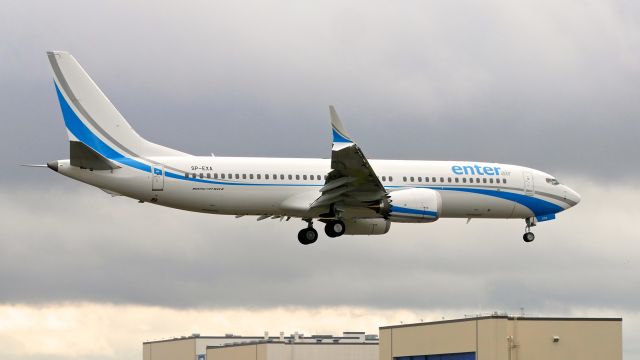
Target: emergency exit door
157 178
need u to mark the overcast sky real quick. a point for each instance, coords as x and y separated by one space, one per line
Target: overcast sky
549 84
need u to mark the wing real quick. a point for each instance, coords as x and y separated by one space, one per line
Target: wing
351 182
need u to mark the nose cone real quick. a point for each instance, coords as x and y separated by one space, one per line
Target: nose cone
573 196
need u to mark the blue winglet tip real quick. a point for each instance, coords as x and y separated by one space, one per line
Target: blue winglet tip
339 138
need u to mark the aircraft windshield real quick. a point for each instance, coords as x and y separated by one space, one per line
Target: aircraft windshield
553 181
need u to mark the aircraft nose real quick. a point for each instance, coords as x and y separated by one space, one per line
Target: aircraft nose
573 195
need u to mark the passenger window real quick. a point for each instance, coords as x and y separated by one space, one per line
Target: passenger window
222 176
281 177
464 180
208 175
491 181
318 177
258 176
426 179
266 176
433 179
201 175
275 177
442 180
186 175
411 179
215 176
237 176
419 178
230 176
504 181
390 178
304 177
290 177
484 180
471 180
448 179
251 176
477 180
404 178
457 180
297 177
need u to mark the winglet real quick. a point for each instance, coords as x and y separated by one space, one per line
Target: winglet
339 133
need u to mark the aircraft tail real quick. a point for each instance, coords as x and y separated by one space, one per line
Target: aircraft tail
96 130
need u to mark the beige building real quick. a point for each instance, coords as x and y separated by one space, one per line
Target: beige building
295 351
196 347
504 338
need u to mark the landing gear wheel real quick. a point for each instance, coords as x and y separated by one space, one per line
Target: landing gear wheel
307 236
334 228
528 237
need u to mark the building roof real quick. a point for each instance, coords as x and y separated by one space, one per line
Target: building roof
291 343
507 317
262 338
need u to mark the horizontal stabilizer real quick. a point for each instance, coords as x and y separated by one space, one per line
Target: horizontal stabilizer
84 157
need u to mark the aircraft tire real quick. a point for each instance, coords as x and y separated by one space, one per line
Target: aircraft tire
528 237
334 228
307 236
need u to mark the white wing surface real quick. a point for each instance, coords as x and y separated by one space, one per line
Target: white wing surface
351 182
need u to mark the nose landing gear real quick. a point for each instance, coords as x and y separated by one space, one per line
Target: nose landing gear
528 235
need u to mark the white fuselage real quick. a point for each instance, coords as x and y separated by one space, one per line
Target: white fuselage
287 186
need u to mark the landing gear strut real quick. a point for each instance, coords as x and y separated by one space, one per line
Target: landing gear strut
334 228
308 235
528 235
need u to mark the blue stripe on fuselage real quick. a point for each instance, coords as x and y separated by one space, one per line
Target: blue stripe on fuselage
537 206
403 210
73 123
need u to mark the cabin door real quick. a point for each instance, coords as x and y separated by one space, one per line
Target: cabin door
157 178
528 183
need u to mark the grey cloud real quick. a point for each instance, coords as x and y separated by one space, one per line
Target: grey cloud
552 86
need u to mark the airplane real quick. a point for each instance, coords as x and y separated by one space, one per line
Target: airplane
349 194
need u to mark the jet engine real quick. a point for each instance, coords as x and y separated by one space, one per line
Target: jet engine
414 205
367 226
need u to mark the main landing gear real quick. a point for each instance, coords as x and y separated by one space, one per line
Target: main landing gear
528 235
334 228
308 235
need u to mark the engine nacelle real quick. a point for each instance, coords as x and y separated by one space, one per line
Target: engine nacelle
413 205
367 226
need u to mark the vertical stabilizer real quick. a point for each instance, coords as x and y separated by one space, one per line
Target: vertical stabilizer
91 118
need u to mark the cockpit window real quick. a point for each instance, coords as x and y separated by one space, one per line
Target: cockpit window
553 181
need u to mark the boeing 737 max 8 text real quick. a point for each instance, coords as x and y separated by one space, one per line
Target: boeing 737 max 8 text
349 193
